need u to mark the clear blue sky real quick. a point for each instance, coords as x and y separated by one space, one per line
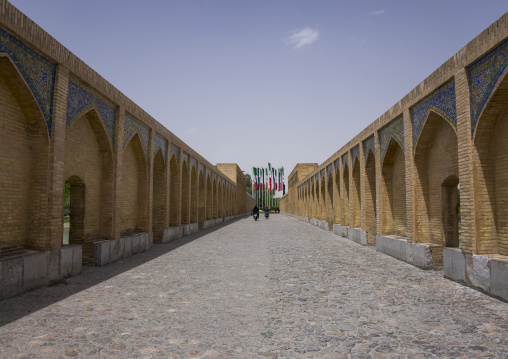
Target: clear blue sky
251 82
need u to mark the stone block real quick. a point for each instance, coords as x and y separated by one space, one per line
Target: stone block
12 277
193 228
454 264
314 222
421 256
388 245
358 236
323 225
499 278
35 271
410 253
209 223
186 229
101 253
115 250
54 266
478 271
135 244
77 259
150 239
127 245
67 260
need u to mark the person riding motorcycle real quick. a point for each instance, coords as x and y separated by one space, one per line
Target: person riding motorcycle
267 212
255 211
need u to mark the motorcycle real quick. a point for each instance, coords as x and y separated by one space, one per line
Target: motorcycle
267 214
255 215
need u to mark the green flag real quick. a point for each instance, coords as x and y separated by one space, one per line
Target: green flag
269 167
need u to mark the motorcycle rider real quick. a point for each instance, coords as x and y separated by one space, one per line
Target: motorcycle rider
255 210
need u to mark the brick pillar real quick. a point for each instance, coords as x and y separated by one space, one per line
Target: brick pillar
168 182
350 172
56 161
118 161
179 201
379 181
151 155
465 153
362 187
409 167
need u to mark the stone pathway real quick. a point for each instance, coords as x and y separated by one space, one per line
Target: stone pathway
275 288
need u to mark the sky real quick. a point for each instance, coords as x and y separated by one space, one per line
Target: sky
252 82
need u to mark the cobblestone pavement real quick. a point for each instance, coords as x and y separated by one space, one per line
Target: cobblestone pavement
267 289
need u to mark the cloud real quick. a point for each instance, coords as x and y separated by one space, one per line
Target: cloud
377 12
300 38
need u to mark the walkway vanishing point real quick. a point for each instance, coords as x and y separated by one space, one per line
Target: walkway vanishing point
276 288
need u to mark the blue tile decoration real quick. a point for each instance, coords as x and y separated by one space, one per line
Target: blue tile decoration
482 77
194 163
174 151
160 143
337 165
368 145
38 72
345 159
329 170
355 153
131 126
441 101
185 158
81 99
214 176
202 171
395 130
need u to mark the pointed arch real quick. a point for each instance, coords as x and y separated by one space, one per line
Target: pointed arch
134 197
24 140
356 213
329 201
194 196
490 171
337 194
185 202
436 159
345 196
370 211
215 200
393 194
159 208
89 156
209 194
174 191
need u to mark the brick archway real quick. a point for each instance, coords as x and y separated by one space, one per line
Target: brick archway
370 211
393 191
24 142
356 213
159 209
436 159
134 198
345 196
490 171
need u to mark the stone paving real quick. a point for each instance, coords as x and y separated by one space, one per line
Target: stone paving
275 288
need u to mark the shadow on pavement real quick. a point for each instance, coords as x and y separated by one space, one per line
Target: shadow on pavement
17 307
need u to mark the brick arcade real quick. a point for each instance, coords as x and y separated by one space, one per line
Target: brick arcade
132 181
396 184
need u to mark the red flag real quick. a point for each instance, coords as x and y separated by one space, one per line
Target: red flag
276 186
270 183
261 186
